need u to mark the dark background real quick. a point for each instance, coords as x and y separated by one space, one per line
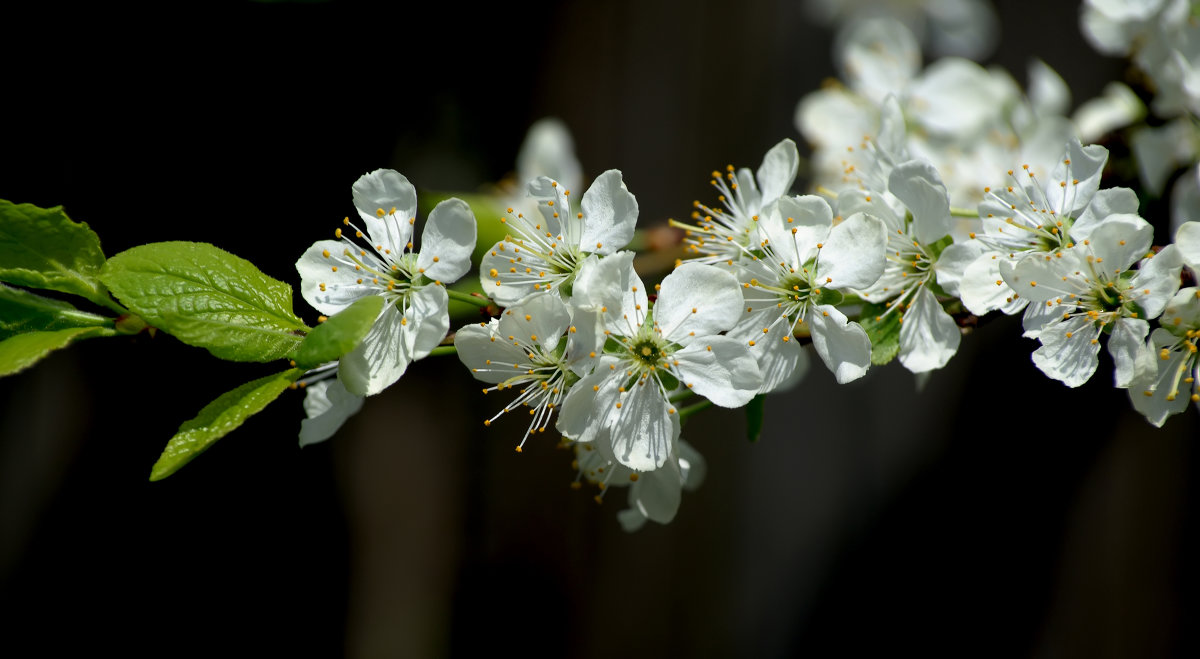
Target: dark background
995 513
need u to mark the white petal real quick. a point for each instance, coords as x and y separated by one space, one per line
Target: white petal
1117 107
611 287
853 256
835 118
386 189
380 359
1127 345
1040 315
878 56
929 337
327 405
1047 91
1121 241
548 150
428 320
777 359
656 495
551 199
952 264
1187 241
851 201
721 369
956 97
644 430
982 290
691 465
631 520
918 185
585 340
794 225
1156 281
778 171
447 241
541 319
1183 311
585 414
1038 276
1185 198
610 213
842 345
697 298
1087 163
511 283
1149 395
488 356
1069 349
340 288
892 131
1110 201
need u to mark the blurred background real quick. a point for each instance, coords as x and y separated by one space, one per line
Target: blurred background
994 513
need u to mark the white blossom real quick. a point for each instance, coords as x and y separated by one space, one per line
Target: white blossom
723 233
653 495
1088 290
800 267
381 260
545 251
533 349
653 352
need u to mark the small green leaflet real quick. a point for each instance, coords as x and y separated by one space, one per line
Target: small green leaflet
754 417
24 350
207 297
22 311
340 334
219 418
884 333
43 248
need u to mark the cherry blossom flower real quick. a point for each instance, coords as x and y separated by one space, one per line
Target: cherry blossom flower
381 260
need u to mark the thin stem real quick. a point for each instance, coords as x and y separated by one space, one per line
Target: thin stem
692 409
963 212
443 350
683 395
469 298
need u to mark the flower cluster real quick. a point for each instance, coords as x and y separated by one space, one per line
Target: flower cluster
940 195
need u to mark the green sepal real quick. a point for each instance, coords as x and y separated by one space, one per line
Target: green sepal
935 249
340 334
830 297
884 333
19 352
207 297
43 248
219 418
22 311
754 417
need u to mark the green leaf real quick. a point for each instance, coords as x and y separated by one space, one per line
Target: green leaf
754 417
22 311
219 418
19 352
207 297
43 248
340 334
884 332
